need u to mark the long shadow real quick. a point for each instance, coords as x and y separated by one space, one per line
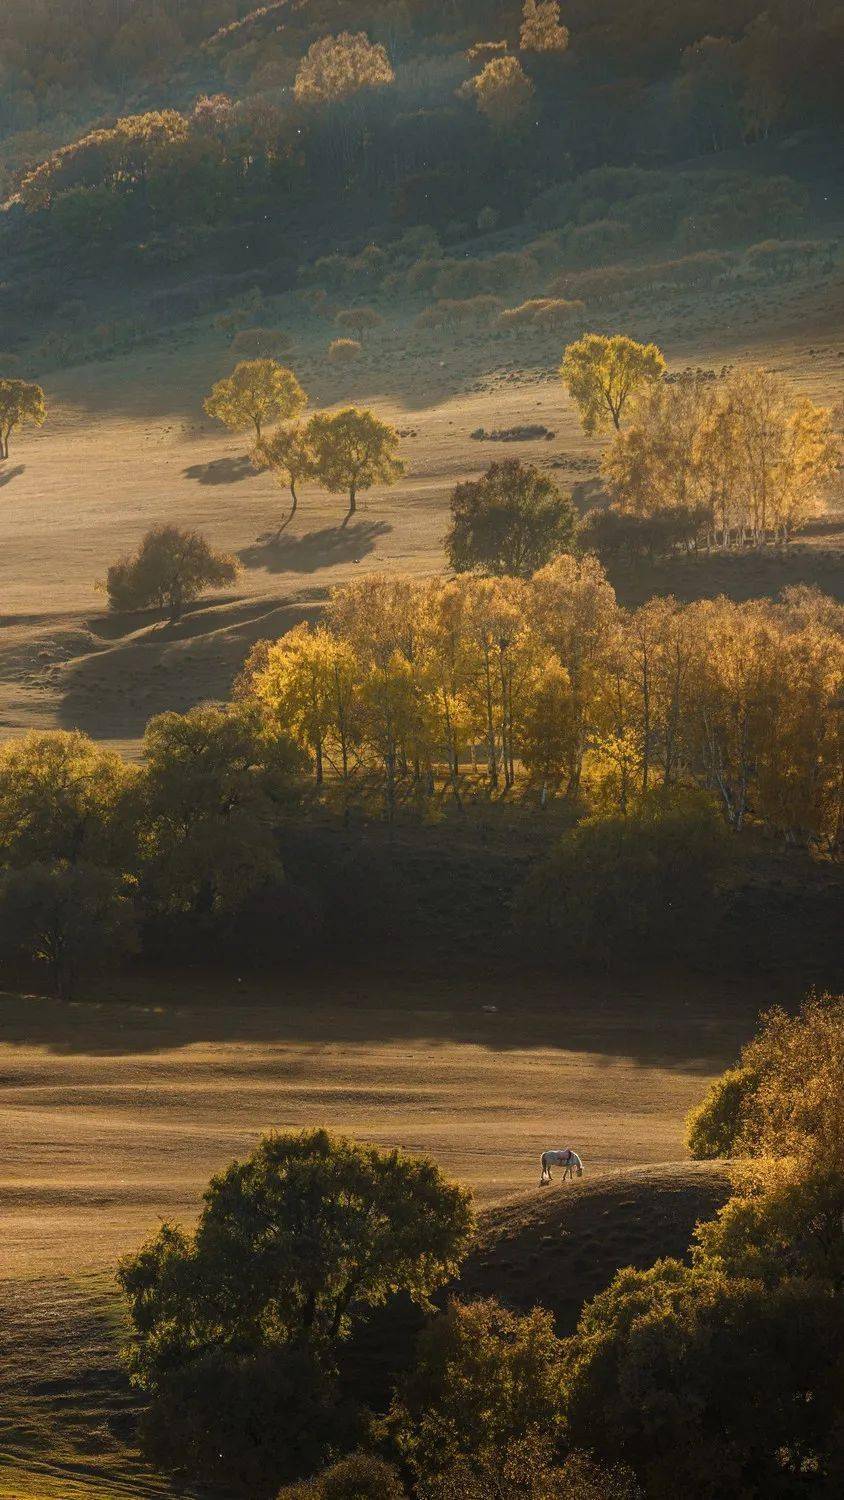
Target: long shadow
317 549
140 1014
7 475
221 470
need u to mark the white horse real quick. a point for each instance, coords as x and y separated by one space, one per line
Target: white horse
567 1159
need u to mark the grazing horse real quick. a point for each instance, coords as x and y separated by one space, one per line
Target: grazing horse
568 1159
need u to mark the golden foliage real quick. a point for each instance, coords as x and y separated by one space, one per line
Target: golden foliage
601 375
549 677
21 401
502 92
258 391
337 67
542 30
753 454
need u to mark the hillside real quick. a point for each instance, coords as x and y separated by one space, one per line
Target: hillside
67 1415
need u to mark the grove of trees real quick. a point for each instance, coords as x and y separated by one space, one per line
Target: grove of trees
746 456
548 677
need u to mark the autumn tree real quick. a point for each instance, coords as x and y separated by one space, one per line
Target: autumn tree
745 1379
21 401
751 456
541 28
290 459
358 1476
502 92
792 1101
336 68
344 351
359 320
782 449
258 391
601 375
574 614
170 569
511 521
654 463
64 798
353 450
309 682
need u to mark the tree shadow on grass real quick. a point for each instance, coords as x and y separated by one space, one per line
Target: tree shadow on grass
221 470
315 550
7 475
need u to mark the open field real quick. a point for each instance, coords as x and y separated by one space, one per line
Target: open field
115 1113
127 445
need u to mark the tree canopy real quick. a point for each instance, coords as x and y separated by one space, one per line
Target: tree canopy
338 67
170 569
21 401
602 374
293 1244
511 521
258 391
353 450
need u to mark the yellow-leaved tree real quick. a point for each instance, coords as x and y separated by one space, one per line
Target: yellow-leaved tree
290 458
310 681
353 450
258 391
601 375
20 401
337 67
542 30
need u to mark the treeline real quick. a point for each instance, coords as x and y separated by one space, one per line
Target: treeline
304 99
658 730
714 1375
497 679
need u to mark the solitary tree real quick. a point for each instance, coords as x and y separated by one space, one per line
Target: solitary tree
257 391
601 374
344 351
511 521
20 401
169 570
359 320
290 458
353 450
337 67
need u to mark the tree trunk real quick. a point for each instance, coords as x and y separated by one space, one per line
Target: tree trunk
352 505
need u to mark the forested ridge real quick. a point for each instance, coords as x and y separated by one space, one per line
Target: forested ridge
160 127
